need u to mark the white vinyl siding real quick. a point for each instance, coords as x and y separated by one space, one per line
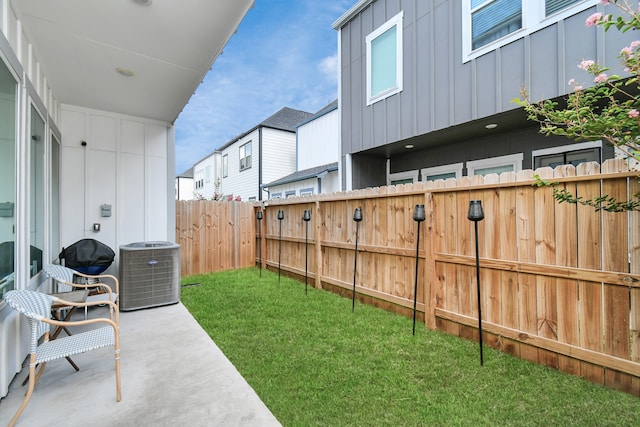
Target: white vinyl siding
278 155
241 183
318 141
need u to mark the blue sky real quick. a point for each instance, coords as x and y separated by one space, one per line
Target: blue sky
283 55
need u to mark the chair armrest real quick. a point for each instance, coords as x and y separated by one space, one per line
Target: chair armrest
113 308
82 322
111 277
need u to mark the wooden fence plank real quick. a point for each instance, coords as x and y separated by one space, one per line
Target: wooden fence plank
616 258
507 250
566 229
527 306
589 256
634 267
546 254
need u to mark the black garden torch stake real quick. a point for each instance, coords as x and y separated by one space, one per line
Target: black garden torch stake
477 214
357 217
280 218
418 216
306 217
259 218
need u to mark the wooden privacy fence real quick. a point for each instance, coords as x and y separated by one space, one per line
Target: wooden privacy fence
214 236
560 283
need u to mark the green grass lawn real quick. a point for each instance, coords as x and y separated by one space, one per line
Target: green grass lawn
314 362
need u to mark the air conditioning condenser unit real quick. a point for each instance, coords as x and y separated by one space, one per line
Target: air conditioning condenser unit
149 275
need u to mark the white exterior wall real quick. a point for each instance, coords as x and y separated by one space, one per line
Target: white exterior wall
184 189
126 163
18 54
242 183
213 162
294 186
330 184
279 155
318 141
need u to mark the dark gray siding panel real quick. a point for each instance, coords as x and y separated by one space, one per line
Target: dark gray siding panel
441 91
486 85
511 74
423 113
443 73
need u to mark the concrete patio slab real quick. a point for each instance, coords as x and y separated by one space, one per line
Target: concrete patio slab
172 374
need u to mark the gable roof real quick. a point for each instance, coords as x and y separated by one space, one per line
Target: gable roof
284 119
321 112
314 172
186 174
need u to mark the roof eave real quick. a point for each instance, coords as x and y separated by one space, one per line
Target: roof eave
349 14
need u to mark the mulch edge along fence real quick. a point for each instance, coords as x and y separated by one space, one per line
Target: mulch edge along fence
560 283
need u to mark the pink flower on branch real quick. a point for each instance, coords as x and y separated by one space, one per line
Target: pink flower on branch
593 19
586 64
602 77
634 114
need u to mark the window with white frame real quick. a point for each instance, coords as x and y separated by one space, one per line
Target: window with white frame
207 174
225 165
276 196
489 24
245 156
384 60
306 192
408 177
500 164
572 154
442 172
199 179
290 193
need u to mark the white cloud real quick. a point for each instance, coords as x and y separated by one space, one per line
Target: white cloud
329 67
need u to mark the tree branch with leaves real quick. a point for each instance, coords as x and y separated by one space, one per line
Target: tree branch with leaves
609 110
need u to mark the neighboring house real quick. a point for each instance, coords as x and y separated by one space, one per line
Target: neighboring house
426 88
318 152
262 154
207 176
184 185
87 121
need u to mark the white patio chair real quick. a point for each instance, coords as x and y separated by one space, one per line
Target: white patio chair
36 306
64 282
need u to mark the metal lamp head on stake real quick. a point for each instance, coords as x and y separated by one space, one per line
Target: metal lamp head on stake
418 216
475 211
306 216
418 213
357 215
259 218
476 214
280 215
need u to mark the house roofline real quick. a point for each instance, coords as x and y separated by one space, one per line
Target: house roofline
319 172
326 110
351 13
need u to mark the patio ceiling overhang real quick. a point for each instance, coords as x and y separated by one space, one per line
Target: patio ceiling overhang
86 48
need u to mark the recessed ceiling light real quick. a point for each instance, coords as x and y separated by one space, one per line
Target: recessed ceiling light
143 2
491 126
125 72
408 146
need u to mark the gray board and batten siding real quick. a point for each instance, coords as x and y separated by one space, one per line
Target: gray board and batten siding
446 100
